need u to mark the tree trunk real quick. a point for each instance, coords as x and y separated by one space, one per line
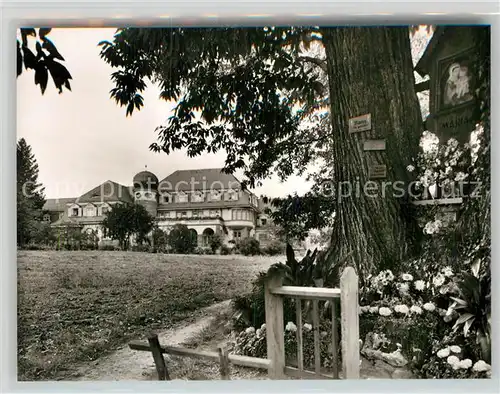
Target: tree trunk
371 72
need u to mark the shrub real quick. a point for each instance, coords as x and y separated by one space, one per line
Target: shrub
225 250
249 246
215 242
181 240
274 248
142 248
252 342
108 247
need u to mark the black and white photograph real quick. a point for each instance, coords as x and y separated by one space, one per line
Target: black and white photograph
266 202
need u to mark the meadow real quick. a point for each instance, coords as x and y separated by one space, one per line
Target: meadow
75 306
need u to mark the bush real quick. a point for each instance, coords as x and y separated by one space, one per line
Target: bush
142 248
252 342
249 246
225 250
274 248
203 250
108 247
181 240
215 242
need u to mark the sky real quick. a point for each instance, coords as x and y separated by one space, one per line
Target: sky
82 138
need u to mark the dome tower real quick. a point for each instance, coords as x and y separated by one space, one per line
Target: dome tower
146 191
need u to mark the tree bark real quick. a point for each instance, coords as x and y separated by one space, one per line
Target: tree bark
370 71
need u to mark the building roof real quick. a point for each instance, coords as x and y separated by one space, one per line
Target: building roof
57 204
145 179
202 179
107 191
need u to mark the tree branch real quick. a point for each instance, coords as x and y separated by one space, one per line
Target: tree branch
321 63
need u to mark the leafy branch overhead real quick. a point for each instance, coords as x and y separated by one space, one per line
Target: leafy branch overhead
44 62
246 91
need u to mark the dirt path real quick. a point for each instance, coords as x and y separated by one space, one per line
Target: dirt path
126 364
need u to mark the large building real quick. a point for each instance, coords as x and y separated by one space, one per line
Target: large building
207 201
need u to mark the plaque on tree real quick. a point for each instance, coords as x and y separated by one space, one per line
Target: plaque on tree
450 62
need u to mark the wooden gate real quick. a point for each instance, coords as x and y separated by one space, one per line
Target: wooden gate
346 296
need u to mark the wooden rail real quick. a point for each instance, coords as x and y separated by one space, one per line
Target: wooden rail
221 356
346 296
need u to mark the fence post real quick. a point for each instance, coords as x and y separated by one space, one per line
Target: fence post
349 323
224 362
275 330
160 365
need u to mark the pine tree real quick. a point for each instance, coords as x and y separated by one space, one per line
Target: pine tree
30 194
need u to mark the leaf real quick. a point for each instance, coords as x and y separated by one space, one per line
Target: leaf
19 60
458 301
29 58
463 318
51 48
475 267
41 76
43 31
467 326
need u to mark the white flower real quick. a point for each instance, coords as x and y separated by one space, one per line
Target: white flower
323 334
365 308
443 290
258 332
466 363
481 366
307 327
416 309
403 309
447 271
454 361
429 228
438 280
384 311
443 353
429 306
410 168
374 309
460 177
455 349
291 327
263 327
407 277
250 330
419 285
403 288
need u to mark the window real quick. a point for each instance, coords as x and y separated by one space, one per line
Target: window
74 212
184 214
166 199
89 211
213 213
197 197
46 217
196 214
148 195
233 195
263 221
138 195
215 195
104 210
182 197
236 234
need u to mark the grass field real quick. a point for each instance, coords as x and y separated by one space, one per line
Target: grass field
76 306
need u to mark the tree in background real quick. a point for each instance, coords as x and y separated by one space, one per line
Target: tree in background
30 195
181 240
44 62
125 220
257 92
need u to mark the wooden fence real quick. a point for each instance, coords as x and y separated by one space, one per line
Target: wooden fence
275 292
